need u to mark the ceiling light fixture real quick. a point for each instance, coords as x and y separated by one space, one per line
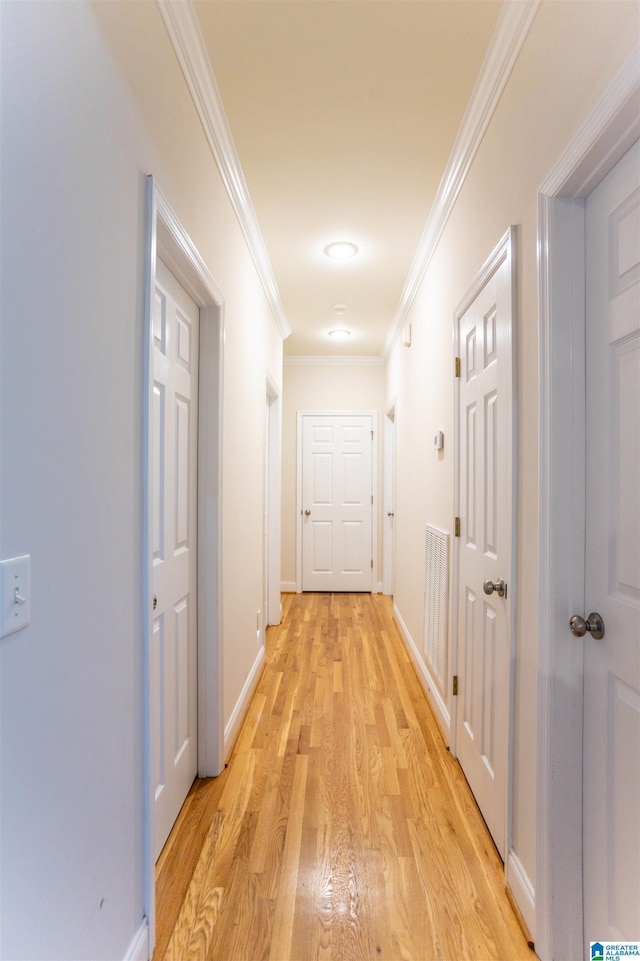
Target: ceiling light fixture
340 308
339 334
341 250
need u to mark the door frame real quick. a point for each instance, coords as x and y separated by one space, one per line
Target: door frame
373 414
389 500
606 134
505 250
273 484
166 238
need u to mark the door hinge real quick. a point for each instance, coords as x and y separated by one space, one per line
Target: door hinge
457 362
456 527
371 435
455 685
372 563
372 498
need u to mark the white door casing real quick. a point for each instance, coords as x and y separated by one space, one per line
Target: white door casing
611 767
484 549
273 468
337 501
175 550
166 238
263 620
606 133
389 512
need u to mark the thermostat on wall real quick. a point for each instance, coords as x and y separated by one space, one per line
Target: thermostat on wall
438 441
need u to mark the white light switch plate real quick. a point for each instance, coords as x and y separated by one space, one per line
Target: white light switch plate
15 594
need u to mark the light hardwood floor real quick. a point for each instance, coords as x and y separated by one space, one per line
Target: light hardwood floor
342 828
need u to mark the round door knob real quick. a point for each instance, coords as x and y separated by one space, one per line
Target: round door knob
499 587
306 513
593 624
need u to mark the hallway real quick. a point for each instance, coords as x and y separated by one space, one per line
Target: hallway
342 829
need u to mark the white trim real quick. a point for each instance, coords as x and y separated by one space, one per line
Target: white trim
184 32
389 500
427 682
146 592
210 539
288 587
504 251
373 414
337 360
522 891
273 613
138 950
592 154
167 238
179 253
611 127
510 34
239 712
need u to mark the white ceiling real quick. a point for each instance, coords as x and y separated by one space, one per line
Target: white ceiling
344 114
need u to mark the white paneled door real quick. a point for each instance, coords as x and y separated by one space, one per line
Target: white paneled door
484 559
611 772
174 635
337 502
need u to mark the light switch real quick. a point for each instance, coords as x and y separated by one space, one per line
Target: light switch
15 594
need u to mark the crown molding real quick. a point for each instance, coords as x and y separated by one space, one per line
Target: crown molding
336 360
185 35
590 156
510 34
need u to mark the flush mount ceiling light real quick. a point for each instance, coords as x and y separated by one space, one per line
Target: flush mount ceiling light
341 250
339 334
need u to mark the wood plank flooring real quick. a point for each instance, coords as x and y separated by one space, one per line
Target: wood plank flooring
342 829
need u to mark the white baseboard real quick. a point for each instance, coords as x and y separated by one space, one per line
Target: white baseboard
288 587
138 950
429 686
242 705
379 589
522 891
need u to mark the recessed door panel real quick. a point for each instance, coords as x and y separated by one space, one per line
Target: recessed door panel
158 690
624 512
489 640
352 532
322 541
353 486
158 479
490 484
470 653
183 469
469 480
322 434
322 476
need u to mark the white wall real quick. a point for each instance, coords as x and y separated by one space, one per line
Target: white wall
318 388
93 101
572 53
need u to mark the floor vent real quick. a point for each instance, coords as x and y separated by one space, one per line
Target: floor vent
436 602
